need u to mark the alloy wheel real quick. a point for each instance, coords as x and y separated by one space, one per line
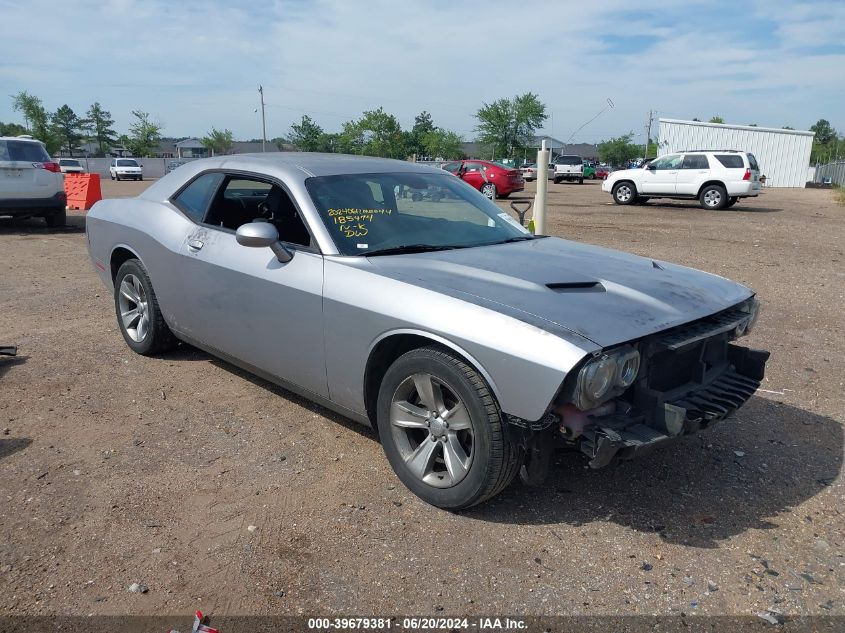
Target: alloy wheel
432 429
489 190
624 193
134 309
712 198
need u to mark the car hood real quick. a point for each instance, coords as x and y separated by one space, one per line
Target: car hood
625 173
602 295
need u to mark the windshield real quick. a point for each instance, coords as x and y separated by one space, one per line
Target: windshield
125 162
365 213
66 162
569 160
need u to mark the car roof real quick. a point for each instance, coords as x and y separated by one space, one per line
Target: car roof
25 139
315 164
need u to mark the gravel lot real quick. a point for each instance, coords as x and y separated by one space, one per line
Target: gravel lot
118 469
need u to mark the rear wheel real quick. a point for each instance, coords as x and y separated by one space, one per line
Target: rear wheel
442 430
488 189
713 197
624 193
580 181
57 218
138 315
556 180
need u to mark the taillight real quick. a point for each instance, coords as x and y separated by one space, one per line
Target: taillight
49 166
747 175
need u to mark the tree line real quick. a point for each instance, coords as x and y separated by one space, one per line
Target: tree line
505 128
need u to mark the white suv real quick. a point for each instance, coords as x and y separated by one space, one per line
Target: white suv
569 168
31 183
125 168
716 178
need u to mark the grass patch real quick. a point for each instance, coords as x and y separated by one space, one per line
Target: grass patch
839 193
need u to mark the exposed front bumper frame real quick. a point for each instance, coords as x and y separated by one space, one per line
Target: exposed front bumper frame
620 437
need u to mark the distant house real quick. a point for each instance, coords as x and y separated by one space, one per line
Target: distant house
191 148
251 147
474 149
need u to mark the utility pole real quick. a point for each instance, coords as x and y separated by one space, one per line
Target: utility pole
648 132
263 124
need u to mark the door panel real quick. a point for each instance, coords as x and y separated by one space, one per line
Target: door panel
694 171
242 301
661 179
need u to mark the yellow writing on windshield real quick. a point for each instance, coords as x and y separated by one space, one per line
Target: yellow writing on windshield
354 222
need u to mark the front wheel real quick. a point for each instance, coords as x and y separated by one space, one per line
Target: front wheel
442 430
624 193
138 315
713 197
489 190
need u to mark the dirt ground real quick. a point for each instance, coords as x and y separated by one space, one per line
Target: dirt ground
119 469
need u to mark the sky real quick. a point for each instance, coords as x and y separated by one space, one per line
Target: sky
197 64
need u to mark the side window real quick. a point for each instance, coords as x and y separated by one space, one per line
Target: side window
4 151
695 161
242 200
672 161
472 166
194 199
731 161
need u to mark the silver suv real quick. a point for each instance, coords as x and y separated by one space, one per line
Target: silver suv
31 182
716 178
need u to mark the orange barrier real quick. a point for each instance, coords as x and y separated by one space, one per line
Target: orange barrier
82 190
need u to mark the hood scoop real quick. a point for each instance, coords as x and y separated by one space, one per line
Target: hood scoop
576 286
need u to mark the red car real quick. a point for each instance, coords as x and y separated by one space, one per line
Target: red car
494 180
602 172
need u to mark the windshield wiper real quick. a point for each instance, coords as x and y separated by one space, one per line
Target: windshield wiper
410 248
521 238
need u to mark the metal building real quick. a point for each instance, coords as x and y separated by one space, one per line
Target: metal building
783 155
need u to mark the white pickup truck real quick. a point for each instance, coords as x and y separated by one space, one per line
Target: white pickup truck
569 168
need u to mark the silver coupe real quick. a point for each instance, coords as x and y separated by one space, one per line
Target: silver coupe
400 297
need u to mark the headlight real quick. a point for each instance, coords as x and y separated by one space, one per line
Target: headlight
752 307
606 376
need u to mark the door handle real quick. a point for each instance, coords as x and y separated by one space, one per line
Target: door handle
195 245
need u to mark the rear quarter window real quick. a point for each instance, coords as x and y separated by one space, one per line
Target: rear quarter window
731 161
752 162
193 200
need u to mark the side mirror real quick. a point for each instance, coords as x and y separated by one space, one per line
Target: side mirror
263 235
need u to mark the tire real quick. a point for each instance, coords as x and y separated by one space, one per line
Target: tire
56 219
592 176
713 197
138 291
488 190
580 181
624 192
139 178
451 467
111 175
731 202
556 180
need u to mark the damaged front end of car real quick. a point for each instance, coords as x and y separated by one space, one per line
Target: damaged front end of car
623 402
